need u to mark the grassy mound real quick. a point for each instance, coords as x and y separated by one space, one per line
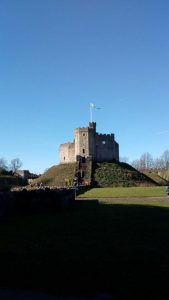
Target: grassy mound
98 174
60 175
119 174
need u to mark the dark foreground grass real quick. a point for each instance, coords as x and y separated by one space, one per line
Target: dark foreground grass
122 249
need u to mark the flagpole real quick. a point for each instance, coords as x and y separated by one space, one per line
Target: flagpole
91 113
92 106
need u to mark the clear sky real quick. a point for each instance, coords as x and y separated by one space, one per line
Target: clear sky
57 56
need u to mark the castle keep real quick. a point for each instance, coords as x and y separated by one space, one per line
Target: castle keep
90 144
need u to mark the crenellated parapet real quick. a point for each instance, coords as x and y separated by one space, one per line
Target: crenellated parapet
105 136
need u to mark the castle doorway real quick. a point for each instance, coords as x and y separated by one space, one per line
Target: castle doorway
83 159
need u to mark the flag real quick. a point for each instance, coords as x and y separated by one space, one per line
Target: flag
92 105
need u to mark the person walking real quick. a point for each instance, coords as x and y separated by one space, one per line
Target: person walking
167 190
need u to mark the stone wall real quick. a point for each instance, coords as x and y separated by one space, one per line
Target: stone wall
6 182
67 153
106 148
14 203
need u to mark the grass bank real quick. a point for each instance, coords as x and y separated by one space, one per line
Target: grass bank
118 192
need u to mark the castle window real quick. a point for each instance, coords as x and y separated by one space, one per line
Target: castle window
83 150
103 142
83 134
64 158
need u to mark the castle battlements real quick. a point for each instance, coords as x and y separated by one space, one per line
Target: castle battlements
68 143
81 128
89 143
101 135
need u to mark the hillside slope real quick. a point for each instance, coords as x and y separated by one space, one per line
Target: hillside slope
96 174
164 174
60 175
119 174
156 177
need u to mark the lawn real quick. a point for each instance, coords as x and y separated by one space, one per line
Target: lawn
96 247
155 191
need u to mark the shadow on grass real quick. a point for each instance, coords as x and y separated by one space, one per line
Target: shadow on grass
94 248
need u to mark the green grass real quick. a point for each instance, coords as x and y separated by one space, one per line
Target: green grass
114 247
99 174
156 191
119 174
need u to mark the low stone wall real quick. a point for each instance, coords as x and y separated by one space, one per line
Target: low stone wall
6 182
35 201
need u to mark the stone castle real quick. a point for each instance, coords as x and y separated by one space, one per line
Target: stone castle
88 144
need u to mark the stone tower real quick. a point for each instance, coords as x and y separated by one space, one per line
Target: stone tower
84 141
89 144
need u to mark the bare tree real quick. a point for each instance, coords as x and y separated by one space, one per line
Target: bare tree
158 163
3 164
165 158
124 159
146 161
136 164
15 164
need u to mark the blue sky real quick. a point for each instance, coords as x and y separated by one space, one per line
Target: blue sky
57 56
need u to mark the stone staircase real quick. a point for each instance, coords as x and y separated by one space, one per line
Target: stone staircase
84 172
